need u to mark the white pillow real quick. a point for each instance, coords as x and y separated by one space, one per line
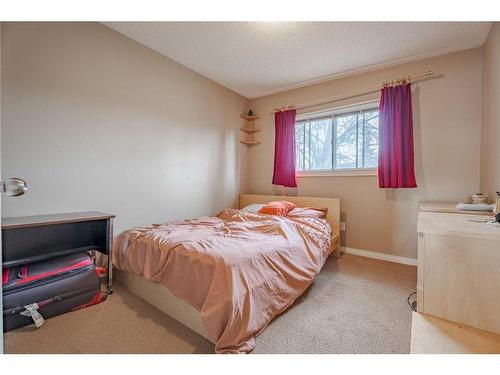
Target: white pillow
253 208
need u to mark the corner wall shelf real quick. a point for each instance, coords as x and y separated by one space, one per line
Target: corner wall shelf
250 130
250 143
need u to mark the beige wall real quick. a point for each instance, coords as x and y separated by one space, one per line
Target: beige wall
96 121
447 131
490 153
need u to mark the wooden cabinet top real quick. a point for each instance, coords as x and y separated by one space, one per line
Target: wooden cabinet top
465 226
40 220
449 207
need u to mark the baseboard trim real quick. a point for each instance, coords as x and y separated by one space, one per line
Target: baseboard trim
380 256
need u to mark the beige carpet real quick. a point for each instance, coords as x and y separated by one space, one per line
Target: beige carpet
356 305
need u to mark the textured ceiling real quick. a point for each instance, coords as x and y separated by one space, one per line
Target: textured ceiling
260 58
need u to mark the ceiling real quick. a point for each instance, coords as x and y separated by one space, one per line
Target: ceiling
260 58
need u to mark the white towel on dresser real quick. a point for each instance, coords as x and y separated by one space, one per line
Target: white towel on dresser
475 206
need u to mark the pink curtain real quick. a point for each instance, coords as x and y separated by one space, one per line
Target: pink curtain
395 160
284 149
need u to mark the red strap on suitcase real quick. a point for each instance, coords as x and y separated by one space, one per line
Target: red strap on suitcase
5 276
28 279
101 271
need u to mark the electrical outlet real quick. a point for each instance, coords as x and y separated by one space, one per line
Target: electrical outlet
342 226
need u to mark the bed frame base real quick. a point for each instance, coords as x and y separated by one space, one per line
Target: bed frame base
160 297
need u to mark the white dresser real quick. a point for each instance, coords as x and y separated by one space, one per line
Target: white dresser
458 267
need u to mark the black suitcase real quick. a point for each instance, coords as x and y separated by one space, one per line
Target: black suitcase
37 291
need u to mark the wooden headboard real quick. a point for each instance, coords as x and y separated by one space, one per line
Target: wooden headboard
332 204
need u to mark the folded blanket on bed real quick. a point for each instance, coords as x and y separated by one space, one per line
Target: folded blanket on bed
239 269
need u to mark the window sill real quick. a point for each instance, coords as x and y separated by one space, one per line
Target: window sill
340 173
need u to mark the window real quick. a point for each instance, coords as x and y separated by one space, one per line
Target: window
338 140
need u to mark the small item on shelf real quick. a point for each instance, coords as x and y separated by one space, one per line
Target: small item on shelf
479 198
250 113
497 205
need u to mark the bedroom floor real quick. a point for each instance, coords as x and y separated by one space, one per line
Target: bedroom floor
356 305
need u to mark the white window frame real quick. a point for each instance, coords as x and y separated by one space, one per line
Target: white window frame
372 104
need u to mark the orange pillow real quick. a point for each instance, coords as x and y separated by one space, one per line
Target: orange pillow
281 208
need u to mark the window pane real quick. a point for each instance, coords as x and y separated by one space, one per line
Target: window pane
370 142
360 144
299 146
307 155
321 143
345 141
351 139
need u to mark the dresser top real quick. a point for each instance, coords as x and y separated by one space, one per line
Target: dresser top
466 226
450 208
39 220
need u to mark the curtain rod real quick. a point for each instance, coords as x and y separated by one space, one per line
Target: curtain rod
428 73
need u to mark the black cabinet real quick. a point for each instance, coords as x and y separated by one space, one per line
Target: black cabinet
36 238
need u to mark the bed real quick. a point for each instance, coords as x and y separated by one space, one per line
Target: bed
227 277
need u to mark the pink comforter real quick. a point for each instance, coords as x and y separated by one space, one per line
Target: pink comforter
238 269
